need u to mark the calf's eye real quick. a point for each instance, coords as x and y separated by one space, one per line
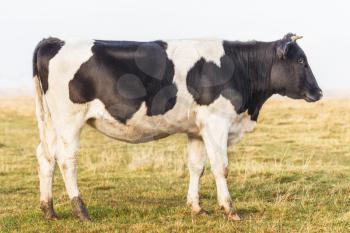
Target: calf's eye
301 60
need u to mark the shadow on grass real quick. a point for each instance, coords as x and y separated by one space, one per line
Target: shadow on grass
247 212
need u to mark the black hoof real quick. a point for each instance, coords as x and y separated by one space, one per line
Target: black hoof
47 208
80 210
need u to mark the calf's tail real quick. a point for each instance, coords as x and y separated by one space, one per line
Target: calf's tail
42 109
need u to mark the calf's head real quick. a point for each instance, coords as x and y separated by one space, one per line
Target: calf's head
291 74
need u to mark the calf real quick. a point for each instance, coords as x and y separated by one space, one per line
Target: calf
211 90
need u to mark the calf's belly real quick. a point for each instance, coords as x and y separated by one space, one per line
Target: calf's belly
127 133
143 131
141 127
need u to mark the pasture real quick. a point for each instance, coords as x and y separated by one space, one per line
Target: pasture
292 174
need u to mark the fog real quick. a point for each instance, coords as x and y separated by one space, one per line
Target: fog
324 26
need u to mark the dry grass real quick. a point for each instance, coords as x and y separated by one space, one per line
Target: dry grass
22 105
290 175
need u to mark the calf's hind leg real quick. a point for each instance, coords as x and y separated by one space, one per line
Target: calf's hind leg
68 144
46 170
45 154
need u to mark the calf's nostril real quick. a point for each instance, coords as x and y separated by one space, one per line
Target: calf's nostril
320 93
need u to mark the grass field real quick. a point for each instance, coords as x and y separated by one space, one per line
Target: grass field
291 175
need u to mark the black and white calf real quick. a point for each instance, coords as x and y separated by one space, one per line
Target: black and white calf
211 90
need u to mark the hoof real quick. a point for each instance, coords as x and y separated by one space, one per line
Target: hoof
202 212
47 208
232 215
196 209
79 209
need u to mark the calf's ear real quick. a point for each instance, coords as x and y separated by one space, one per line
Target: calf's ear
285 44
283 48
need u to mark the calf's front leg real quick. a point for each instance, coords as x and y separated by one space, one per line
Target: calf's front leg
196 163
215 137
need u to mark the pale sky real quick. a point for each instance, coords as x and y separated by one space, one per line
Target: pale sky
324 25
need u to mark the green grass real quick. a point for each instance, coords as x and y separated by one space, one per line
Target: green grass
291 175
